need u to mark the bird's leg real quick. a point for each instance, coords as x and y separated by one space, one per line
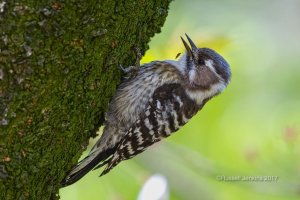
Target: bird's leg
133 69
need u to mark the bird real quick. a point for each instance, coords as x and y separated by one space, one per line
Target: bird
160 98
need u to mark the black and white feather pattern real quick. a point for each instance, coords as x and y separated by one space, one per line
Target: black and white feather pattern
168 110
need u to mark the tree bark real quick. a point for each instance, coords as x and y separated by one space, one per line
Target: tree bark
58 70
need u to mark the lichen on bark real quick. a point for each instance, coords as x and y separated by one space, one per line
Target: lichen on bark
58 70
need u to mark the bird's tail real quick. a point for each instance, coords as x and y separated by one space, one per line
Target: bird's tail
86 165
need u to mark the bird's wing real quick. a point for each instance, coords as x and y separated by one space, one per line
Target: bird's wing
132 96
168 110
131 100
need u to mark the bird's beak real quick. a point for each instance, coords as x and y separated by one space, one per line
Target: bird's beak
194 47
188 49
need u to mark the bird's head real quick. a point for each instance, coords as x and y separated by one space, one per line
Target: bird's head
204 68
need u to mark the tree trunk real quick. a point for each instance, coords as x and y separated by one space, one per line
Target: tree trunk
58 70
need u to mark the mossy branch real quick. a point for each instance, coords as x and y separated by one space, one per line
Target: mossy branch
58 70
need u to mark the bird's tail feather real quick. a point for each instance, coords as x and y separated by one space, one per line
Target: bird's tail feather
86 165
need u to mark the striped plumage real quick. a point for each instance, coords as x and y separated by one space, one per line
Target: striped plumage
157 101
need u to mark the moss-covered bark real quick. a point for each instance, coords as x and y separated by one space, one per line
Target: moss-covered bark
58 69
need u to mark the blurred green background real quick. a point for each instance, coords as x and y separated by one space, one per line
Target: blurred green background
252 129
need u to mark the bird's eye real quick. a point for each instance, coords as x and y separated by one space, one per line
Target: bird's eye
201 62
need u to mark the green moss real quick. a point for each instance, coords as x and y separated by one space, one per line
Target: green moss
59 64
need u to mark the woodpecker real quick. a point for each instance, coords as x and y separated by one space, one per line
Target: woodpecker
160 98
